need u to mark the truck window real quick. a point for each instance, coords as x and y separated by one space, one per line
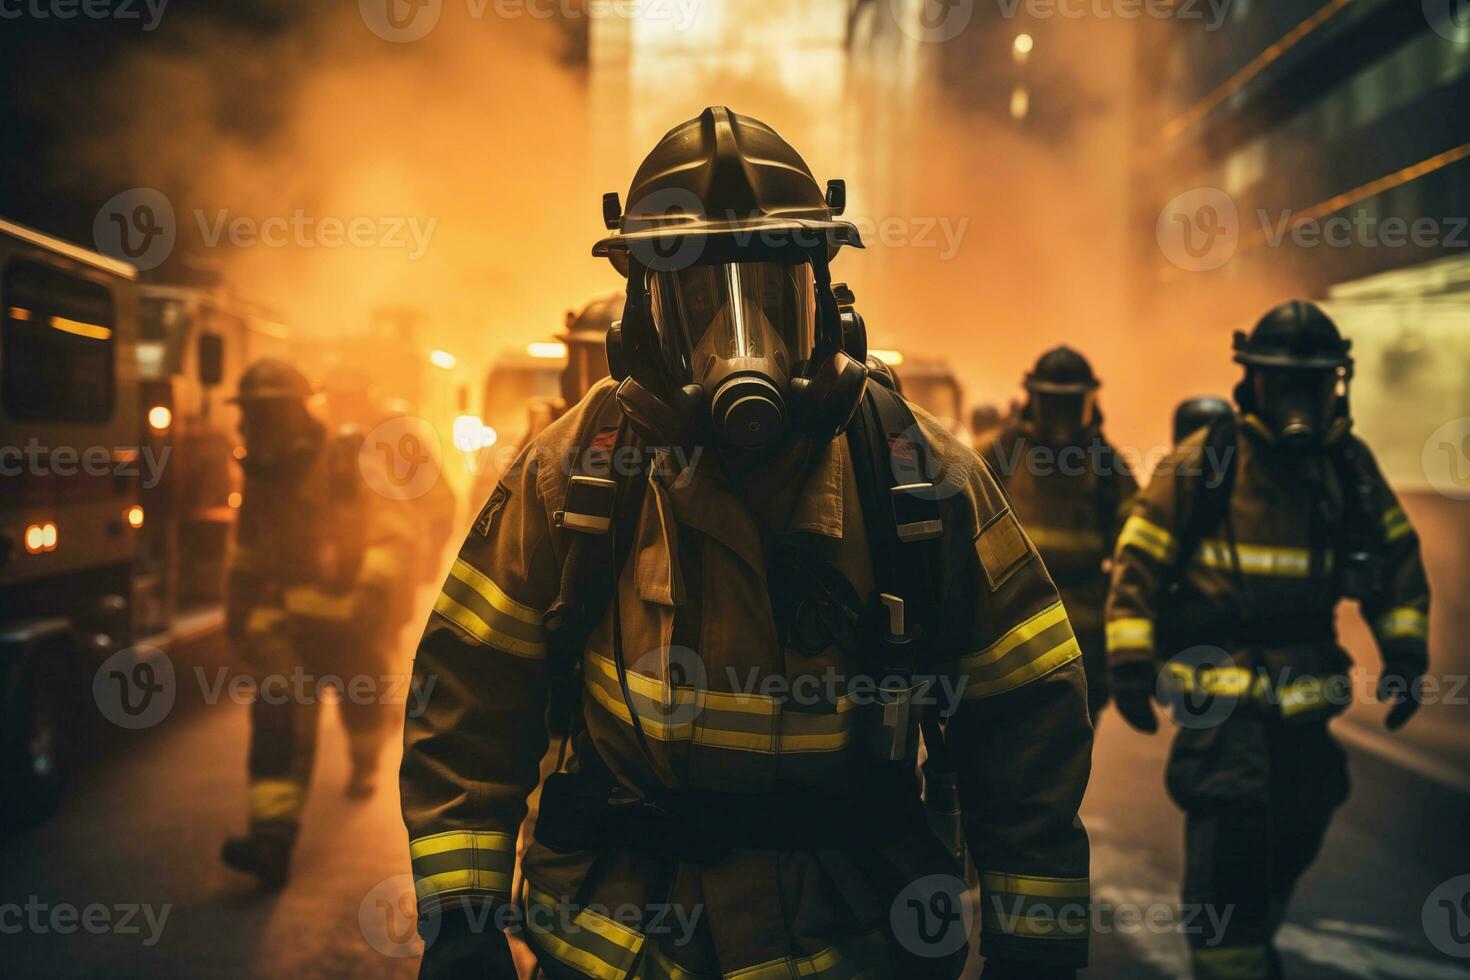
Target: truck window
58 346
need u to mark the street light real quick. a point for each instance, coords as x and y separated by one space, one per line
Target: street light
442 359
1021 48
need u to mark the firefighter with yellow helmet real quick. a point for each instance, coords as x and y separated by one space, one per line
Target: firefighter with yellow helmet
749 580
1070 488
317 561
1227 575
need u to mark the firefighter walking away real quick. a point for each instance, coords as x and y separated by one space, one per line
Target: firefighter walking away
787 525
1227 575
318 560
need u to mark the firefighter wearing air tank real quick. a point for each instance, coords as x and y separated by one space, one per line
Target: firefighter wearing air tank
1227 574
751 619
317 558
1070 489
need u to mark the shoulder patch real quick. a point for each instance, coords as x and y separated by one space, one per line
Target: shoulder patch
493 506
1002 548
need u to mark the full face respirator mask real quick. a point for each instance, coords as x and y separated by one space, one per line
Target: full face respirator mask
1299 406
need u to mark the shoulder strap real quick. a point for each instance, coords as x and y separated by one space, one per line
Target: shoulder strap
1211 504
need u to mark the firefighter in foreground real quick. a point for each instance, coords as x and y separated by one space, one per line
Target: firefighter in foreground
744 681
1070 489
317 560
1226 578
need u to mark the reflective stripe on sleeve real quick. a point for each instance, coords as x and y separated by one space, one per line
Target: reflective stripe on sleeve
459 862
1396 525
1141 533
1130 634
276 799
479 607
589 943
1035 907
1028 651
1403 623
1256 559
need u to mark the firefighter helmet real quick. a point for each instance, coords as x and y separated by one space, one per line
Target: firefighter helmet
1194 414
1296 334
270 379
1061 371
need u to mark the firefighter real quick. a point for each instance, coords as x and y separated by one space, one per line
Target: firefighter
739 789
1226 577
1070 489
315 566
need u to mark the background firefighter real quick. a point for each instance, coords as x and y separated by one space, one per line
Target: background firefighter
1071 490
318 563
791 825
1227 575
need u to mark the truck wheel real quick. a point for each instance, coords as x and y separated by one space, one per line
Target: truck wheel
37 754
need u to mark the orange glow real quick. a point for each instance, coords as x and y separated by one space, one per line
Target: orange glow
549 350
91 331
892 358
20 313
234 499
160 417
40 537
443 359
135 516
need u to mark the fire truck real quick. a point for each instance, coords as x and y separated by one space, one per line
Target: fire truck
115 493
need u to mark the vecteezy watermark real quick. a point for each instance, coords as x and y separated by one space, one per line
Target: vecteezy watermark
933 916
1201 230
1446 917
38 917
1446 458
301 230
136 687
401 458
1212 12
140 226
405 21
149 12
1099 459
388 918
1450 19
34 459
137 226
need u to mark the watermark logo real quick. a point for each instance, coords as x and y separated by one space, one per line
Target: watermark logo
932 21
135 688
1199 230
388 918
684 677
401 21
931 917
399 459
149 12
1446 459
1446 917
1202 687
137 226
663 209
1450 19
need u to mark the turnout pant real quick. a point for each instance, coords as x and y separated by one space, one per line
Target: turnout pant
1258 795
294 668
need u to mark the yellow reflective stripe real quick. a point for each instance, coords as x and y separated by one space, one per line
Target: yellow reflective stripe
1064 539
462 861
1130 634
594 944
1307 694
316 604
1396 525
276 799
1029 651
475 626
263 619
1141 533
1219 681
1034 886
864 956
503 603
380 564
727 720
1256 559
1230 963
1403 623
459 840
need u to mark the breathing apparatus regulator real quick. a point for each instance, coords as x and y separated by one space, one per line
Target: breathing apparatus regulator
733 332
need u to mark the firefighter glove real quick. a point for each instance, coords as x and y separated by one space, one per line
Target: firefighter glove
459 945
1400 688
1133 690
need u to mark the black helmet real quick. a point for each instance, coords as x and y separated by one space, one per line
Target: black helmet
586 342
1296 334
270 379
1061 370
1194 414
1062 395
731 318
1297 368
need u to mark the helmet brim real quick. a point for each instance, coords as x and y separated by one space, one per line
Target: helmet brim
705 240
1284 359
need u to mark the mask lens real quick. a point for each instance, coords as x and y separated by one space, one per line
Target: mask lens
735 310
1060 416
